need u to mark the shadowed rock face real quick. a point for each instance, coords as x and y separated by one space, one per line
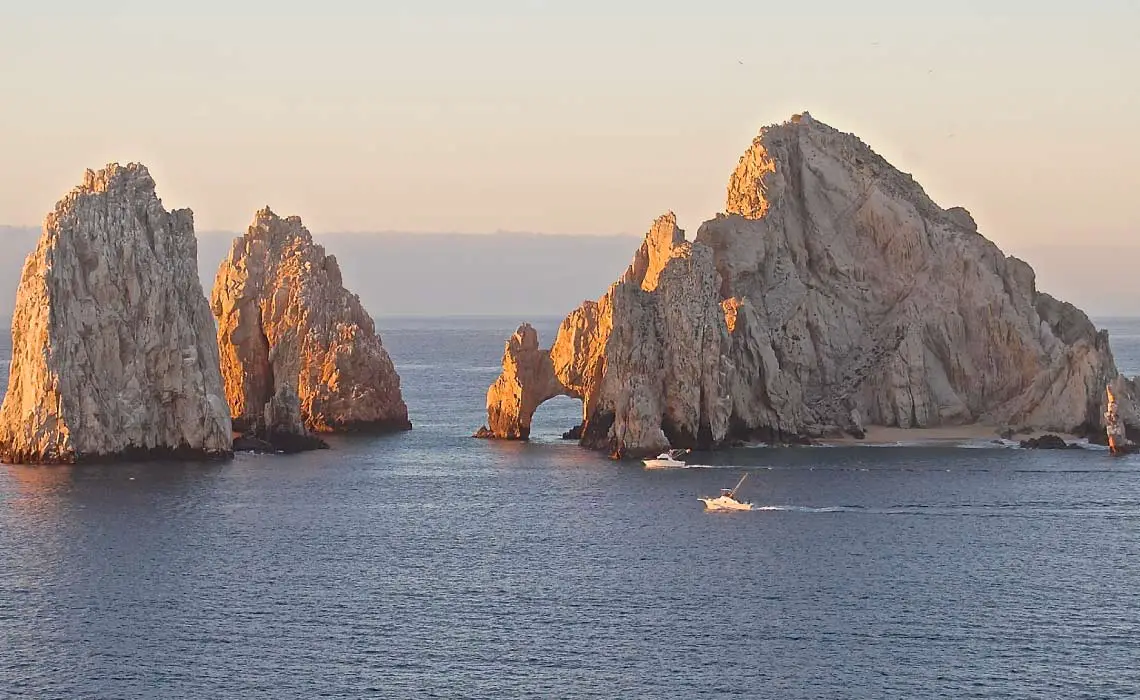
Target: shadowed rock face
285 319
114 354
834 293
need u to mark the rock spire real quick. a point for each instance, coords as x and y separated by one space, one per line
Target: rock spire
114 354
288 329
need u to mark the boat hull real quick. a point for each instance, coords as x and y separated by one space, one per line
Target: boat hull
663 464
724 504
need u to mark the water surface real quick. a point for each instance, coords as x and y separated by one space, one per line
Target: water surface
429 564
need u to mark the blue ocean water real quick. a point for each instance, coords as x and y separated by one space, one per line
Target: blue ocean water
429 564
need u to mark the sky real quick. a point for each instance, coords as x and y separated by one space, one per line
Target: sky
568 117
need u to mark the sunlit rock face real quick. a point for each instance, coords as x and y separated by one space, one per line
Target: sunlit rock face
526 382
286 320
645 358
113 347
832 294
1114 427
1122 416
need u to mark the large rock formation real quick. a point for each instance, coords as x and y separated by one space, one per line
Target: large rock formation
833 294
113 348
288 330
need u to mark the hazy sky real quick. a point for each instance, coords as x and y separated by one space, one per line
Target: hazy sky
583 116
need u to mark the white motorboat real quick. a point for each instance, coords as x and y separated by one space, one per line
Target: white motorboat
727 499
666 460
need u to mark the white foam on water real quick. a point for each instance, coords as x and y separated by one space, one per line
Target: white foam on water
807 509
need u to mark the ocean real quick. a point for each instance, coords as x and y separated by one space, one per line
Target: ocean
430 564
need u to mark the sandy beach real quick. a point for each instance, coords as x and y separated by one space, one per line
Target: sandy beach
946 435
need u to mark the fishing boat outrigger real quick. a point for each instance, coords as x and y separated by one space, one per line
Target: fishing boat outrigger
727 499
667 460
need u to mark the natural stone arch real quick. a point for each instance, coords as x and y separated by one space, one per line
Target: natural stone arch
527 381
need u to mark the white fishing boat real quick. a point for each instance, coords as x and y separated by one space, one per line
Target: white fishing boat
727 499
667 460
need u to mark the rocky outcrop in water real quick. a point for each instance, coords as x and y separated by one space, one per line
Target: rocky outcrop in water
1121 411
114 354
1048 442
527 381
282 428
832 295
644 358
287 326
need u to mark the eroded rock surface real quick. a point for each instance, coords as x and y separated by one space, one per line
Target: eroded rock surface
832 295
287 324
114 354
644 359
874 298
527 380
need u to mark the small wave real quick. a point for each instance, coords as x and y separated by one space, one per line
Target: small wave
735 467
999 444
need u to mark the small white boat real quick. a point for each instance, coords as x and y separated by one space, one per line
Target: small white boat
666 460
727 499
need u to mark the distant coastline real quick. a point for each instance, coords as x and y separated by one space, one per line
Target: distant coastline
424 274
532 275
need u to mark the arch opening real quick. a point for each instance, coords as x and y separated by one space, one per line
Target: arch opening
558 418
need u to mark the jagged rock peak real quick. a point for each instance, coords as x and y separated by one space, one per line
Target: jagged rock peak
284 317
114 353
114 176
650 259
811 149
269 226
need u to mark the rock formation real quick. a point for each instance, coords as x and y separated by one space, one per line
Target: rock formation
289 331
114 354
644 359
1116 430
833 294
527 381
280 428
1048 441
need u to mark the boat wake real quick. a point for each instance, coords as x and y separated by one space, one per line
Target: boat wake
809 509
